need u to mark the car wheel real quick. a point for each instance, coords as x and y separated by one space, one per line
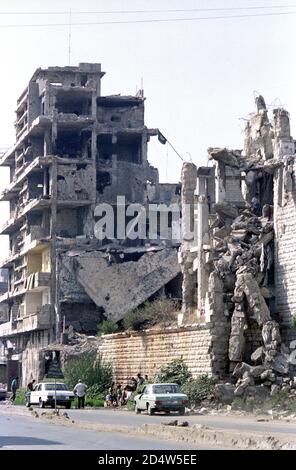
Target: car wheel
167 412
68 406
41 403
137 410
150 410
182 411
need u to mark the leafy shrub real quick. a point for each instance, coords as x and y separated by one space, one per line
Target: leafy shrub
20 398
175 371
95 392
199 389
150 314
293 321
90 369
107 327
91 402
131 402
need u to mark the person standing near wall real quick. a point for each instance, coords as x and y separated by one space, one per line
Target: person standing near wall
14 387
80 390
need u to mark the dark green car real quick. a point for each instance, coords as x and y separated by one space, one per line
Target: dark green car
161 397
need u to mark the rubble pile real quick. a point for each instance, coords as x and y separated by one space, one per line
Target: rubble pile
242 258
74 344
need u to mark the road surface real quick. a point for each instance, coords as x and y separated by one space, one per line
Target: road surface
230 423
114 426
22 432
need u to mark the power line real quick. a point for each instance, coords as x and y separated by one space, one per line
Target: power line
155 20
104 12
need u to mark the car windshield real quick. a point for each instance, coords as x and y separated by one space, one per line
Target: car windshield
58 387
166 389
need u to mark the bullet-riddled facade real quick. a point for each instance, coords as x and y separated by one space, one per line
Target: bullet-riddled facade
74 149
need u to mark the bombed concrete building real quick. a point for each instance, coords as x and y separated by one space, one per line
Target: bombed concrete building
240 266
75 149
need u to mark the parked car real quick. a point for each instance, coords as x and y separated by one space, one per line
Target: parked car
44 394
161 397
3 393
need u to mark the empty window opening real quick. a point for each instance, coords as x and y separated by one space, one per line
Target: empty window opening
103 180
83 79
127 148
115 118
69 144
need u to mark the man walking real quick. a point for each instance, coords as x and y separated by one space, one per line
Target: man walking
80 390
14 387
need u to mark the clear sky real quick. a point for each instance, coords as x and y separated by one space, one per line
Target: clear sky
199 76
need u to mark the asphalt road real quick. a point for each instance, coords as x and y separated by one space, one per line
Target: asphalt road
25 433
21 432
240 423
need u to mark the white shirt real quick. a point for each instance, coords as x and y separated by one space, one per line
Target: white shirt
80 389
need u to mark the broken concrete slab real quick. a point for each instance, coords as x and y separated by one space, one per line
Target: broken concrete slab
254 298
271 335
225 210
225 156
121 287
224 393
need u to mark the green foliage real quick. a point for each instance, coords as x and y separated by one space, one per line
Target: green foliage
150 314
199 389
175 371
293 322
107 327
95 392
91 402
89 368
279 400
20 398
131 401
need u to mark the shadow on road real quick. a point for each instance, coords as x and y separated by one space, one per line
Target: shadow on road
23 441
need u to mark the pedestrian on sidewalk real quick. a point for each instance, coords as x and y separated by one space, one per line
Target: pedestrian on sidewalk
14 387
80 390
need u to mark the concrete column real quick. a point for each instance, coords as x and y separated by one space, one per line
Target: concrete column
220 190
94 105
53 255
203 239
201 186
47 143
144 149
283 143
186 257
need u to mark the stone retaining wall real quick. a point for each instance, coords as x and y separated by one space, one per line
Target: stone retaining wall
285 248
146 351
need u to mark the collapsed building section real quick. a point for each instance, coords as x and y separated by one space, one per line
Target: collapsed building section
74 149
243 254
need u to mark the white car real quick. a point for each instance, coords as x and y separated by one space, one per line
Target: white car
161 397
44 394
3 393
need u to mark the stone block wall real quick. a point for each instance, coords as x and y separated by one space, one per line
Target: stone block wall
285 247
146 351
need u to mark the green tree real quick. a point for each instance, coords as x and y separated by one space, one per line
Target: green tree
175 371
89 368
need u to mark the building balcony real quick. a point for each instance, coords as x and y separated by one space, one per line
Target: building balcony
41 320
14 222
37 282
32 244
16 184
